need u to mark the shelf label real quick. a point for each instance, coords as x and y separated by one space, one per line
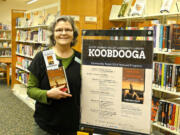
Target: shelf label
90 19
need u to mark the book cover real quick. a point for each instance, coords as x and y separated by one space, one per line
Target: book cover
125 7
176 117
57 78
133 85
177 78
160 110
163 114
166 6
154 109
174 37
114 11
55 71
138 8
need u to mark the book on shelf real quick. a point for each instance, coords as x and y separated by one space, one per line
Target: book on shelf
168 114
49 19
154 108
155 6
138 8
175 37
169 6
125 8
55 71
167 76
22 76
167 38
37 20
21 22
114 11
177 78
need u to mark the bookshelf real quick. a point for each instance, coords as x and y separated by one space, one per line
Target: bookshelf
168 56
5 43
5 48
146 17
29 35
166 129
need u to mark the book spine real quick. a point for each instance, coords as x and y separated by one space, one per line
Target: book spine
176 117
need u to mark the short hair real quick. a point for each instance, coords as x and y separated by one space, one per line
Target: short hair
65 19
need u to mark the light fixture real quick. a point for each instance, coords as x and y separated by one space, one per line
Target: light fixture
31 1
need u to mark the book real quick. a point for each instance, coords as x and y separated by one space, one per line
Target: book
154 109
166 6
55 71
49 19
58 78
125 7
138 8
114 11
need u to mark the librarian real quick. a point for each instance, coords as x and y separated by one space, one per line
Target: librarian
57 112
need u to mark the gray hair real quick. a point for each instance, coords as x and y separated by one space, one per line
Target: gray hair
65 19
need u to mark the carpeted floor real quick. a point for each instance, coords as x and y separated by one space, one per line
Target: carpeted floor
16 118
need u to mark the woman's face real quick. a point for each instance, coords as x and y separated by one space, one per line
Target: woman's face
63 33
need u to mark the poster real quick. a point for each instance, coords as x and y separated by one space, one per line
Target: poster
110 70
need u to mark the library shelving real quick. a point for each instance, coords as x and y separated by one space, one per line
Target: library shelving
5 49
29 35
5 43
163 55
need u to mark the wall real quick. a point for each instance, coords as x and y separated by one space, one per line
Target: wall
83 8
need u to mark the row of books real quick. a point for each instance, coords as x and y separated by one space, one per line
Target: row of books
35 20
5 53
5 35
131 37
166 76
5 45
22 76
26 50
23 62
4 26
167 37
166 113
40 35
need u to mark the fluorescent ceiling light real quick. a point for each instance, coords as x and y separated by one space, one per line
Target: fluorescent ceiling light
31 1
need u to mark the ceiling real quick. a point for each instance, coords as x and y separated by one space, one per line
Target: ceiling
22 4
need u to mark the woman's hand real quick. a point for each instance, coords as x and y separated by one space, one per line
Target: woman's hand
56 93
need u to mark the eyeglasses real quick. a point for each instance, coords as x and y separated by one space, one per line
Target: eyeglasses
64 30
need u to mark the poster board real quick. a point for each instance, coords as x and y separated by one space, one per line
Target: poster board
113 71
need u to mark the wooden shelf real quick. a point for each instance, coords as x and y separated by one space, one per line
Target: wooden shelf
168 53
32 42
32 27
27 56
26 70
5 30
4 48
146 17
165 128
3 39
166 91
6 56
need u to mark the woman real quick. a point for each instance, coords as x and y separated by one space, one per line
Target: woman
57 112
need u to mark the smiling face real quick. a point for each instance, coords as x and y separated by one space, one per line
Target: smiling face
63 33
